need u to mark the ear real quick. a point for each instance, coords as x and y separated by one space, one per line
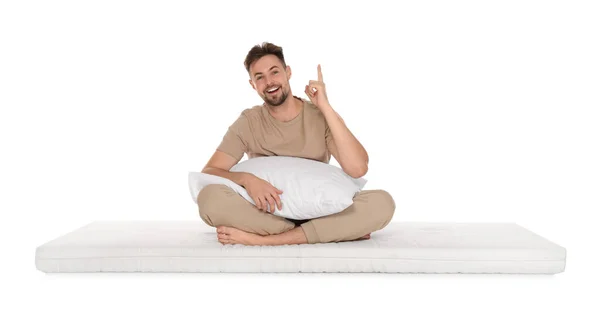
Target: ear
288 70
252 84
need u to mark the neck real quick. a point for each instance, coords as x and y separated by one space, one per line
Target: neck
286 111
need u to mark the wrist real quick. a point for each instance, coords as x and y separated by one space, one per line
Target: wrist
243 178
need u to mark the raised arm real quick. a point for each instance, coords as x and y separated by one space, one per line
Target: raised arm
346 149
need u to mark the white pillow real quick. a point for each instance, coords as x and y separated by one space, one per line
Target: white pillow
311 188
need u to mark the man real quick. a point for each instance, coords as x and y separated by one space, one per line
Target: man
286 125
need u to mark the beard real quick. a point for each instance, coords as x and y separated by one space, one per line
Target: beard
276 101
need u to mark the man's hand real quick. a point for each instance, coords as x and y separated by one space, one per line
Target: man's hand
263 193
315 90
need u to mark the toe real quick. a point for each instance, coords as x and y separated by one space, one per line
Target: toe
225 229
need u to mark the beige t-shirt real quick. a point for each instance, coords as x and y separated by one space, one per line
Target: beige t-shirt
257 133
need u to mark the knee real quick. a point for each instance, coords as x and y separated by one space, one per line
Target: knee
383 204
210 200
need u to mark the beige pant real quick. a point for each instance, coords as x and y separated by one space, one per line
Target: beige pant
372 210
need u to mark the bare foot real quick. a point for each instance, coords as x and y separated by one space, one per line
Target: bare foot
365 237
230 235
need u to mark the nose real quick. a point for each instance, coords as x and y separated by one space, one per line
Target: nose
269 80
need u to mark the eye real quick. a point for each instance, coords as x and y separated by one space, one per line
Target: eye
275 72
258 78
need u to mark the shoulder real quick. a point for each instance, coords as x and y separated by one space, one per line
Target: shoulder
248 114
252 116
252 112
247 119
309 107
312 111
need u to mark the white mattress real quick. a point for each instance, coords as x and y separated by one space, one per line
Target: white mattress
401 247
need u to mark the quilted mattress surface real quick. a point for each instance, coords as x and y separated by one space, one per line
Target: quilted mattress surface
401 247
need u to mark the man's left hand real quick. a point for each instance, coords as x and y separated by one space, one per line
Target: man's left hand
315 90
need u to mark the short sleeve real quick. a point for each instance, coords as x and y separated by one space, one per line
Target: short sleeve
233 142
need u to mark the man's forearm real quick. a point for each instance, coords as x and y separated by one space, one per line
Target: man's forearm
353 156
238 177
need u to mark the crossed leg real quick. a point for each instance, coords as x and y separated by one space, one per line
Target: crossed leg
238 221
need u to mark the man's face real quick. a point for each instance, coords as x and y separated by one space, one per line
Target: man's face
270 79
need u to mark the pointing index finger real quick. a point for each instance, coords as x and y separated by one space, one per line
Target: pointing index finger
320 74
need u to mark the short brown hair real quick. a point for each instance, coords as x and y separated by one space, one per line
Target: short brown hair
262 50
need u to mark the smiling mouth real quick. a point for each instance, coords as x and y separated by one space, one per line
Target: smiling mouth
273 90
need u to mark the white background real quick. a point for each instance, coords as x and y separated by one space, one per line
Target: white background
471 111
